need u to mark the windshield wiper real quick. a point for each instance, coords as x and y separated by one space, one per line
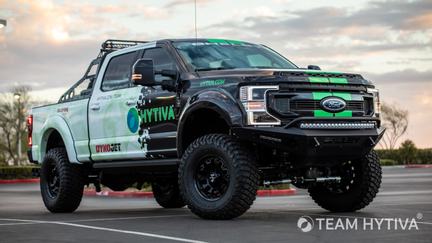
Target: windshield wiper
210 69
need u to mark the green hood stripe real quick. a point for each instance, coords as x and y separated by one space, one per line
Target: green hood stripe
322 95
318 80
344 114
338 80
321 113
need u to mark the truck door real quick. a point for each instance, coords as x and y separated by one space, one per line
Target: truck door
132 122
110 136
158 126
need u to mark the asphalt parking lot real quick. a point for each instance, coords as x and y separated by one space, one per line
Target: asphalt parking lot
406 194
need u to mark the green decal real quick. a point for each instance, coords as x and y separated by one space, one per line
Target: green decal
215 82
171 115
217 41
320 95
321 113
235 42
222 41
338 80
344 114
157 114
318 80
345 96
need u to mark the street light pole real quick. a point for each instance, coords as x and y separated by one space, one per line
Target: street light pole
18 98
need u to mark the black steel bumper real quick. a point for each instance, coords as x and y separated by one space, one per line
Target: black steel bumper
313 145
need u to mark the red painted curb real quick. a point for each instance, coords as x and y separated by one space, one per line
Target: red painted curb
261 193
19 181
418 166
275 193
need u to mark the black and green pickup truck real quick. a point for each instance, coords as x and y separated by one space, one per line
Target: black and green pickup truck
206 122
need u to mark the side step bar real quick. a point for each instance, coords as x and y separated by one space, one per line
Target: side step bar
136 163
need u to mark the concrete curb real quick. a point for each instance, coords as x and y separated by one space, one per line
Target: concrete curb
20 181
418 166
261 193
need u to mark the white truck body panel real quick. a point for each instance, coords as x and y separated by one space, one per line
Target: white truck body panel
70 119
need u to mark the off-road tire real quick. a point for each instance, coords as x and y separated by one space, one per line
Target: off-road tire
71 182
240 166
364 188
167 194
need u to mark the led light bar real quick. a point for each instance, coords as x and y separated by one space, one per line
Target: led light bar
338 125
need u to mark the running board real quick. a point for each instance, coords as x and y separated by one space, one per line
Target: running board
136 163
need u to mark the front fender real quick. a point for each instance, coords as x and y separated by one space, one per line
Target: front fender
56 123
217 100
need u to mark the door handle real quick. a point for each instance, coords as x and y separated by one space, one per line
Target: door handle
130 102
95 107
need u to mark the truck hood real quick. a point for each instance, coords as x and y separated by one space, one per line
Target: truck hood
290 75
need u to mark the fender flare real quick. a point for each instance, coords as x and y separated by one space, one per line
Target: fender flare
57 123
217 100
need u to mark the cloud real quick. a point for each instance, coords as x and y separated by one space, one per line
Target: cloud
378 27
176 3
407 76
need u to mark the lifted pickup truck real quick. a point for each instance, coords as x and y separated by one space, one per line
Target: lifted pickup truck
206 122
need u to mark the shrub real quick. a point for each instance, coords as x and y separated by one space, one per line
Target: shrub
18 172
386 162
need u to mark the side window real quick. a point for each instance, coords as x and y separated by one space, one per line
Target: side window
161 60
118 72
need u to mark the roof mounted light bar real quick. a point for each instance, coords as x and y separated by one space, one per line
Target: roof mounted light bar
113 45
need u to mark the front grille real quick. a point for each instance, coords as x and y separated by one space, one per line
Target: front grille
306 105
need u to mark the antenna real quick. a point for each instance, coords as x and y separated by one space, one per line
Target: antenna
196 30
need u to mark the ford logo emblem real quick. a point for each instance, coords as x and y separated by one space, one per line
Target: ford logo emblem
333 104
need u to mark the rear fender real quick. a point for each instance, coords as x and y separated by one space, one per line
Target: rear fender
56 123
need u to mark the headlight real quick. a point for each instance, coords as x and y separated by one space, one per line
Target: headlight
253 99
376 101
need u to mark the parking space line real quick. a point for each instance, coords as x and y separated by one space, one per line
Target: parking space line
12 224
106 229
127 218
130 232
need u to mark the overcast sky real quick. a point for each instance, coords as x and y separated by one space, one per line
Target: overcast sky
48 44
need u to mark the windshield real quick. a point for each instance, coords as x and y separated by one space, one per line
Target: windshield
204 56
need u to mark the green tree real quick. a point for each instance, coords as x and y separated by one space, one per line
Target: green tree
13 111
395 120
408 151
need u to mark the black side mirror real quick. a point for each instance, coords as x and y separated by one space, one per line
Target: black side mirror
313 67
143 72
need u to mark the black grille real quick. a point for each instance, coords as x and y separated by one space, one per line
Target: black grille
315 105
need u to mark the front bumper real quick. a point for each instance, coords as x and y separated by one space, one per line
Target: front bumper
309 146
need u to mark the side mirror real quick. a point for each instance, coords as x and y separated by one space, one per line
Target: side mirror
313 67
143 72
